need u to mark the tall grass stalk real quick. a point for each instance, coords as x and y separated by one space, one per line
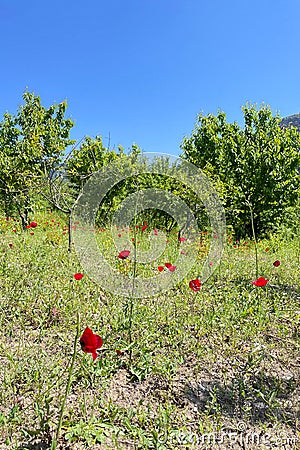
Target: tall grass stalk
68 386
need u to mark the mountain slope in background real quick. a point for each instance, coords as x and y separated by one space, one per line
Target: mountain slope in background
293 120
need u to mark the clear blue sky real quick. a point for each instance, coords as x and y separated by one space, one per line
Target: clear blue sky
141 70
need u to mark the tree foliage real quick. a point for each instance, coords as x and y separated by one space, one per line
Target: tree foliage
32 145
254 168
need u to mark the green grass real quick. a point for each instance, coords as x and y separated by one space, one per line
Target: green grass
219 361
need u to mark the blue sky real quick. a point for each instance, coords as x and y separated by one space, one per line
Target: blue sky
141 70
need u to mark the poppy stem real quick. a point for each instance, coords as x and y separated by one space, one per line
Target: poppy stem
254 238
68 386
131 299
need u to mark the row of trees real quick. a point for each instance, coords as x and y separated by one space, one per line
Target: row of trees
254 169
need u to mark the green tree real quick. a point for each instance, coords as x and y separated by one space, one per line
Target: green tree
90 157
32 146
253 168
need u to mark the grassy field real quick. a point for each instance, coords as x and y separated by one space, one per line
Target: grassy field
213 369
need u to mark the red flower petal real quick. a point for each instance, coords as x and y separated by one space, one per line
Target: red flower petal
124 254
144 227
170 267
195 285
182 239
90 342
78 276
260 282
276 263
33 224
160 268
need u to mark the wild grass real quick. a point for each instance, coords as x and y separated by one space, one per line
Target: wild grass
204 366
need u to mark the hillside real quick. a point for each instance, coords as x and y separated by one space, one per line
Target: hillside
293 120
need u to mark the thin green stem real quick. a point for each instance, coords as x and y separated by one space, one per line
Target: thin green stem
254 239
68 386
130 312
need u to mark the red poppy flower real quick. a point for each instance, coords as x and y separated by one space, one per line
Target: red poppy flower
260 282
90 342
14 230
78 276
155 231
160 268
33 224
124 254
32 233
170 267
195 285
28 226
119 235
266 249
276 263
144 227
182 239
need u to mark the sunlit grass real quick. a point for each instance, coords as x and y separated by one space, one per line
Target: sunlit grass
200 361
